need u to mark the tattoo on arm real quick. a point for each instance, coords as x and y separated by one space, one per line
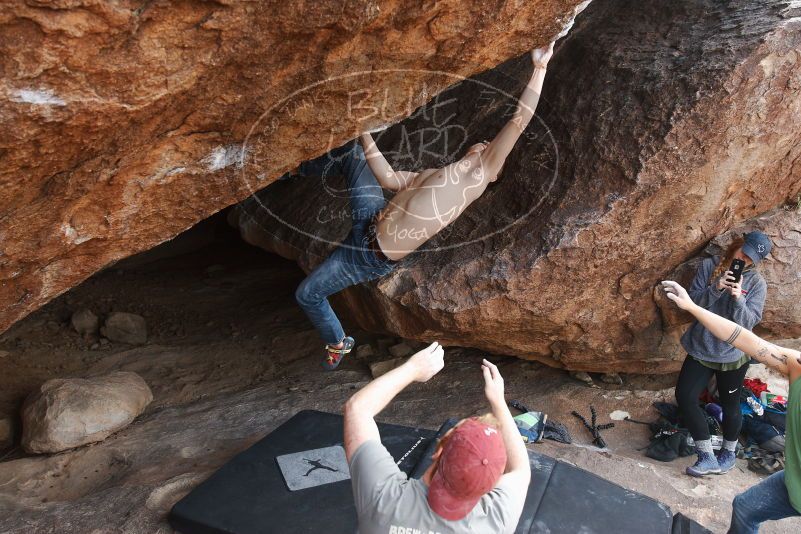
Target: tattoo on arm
762 353
779 357
734 335
767 350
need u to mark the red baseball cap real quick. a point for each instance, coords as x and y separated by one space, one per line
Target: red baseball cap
471 462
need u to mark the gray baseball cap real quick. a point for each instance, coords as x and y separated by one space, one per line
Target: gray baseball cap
757 246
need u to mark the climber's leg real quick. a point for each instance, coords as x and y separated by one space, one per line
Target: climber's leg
365 194
351 263
362 188
332 275
366 202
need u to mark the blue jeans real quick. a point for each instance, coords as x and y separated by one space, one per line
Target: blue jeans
766 501
352 261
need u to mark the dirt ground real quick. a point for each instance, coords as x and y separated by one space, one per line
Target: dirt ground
230 356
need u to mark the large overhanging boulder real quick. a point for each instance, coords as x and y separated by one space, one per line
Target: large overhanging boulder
125 123
663 124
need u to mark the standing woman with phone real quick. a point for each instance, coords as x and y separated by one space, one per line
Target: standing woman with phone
731 287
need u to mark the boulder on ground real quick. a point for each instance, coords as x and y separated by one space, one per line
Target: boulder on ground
383 367
401 350
581 376
67 413
364 351
125 328
85 322
612 378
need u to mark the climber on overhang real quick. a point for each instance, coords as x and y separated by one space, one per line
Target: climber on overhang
425 202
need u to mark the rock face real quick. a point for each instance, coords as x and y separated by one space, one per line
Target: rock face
68 413
663 124
128 122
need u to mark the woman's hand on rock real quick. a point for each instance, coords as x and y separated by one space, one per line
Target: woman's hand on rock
677 294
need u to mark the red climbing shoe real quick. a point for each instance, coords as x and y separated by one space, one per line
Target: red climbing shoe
335 356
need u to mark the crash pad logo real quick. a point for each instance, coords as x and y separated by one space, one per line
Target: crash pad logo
316 464
429 119
308 469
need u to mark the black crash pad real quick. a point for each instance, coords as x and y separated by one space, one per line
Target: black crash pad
249 495
575 500
684 525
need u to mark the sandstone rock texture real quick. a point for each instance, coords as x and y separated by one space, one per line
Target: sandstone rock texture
662 124
68 413
125 123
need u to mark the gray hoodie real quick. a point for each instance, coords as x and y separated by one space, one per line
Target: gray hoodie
745 311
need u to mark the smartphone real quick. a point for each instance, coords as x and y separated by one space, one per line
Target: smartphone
736 268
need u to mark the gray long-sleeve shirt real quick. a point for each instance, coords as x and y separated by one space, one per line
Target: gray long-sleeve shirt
746 311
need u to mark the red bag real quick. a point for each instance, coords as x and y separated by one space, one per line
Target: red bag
756 386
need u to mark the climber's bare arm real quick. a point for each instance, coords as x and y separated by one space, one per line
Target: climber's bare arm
786 361
499 149
387 177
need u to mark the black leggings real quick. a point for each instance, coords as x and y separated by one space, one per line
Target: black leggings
693 378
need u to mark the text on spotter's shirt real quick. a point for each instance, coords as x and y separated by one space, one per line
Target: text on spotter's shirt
388 502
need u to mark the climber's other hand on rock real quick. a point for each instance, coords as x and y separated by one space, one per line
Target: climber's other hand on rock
541 56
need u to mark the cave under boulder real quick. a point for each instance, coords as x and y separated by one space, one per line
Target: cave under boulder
661 125
126 123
